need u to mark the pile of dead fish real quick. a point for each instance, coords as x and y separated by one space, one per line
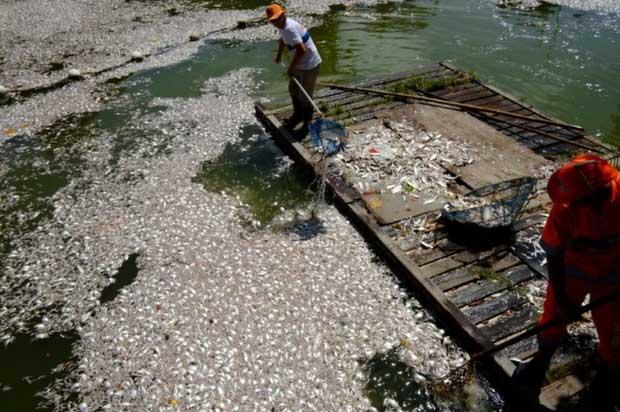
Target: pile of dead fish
219 317
403 159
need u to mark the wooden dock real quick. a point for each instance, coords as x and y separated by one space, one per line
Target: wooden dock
451 274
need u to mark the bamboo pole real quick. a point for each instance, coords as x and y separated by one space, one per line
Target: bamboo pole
549 135
449 103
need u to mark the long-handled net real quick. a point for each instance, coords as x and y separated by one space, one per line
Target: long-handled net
328 138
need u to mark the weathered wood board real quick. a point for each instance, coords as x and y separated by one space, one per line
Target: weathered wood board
389 207
498 157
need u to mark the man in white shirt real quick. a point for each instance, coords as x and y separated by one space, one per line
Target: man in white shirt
304 66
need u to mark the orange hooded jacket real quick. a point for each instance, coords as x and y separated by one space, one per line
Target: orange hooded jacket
587 237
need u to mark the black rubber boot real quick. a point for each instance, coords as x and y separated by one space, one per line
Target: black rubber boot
529 376
602 394
291 122
302 132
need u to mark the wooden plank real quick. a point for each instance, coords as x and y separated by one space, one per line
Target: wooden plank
390 207
442 248
555 150
511 323
462 276
379 86
448 311
491 101
355 101
536 112
523 349
494 306
472 98
439 74
550 146
490 144
564 132
454 89
532 141
328 94
559 391
508 106
475 291
460 259
464 90
372 114
362 108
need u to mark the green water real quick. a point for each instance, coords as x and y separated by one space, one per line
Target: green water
390 379
253 169
562 61
30 365
35 169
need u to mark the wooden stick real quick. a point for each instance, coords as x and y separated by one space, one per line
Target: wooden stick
449 103
549 135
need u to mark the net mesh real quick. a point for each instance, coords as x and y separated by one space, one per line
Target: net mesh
494 206
328 138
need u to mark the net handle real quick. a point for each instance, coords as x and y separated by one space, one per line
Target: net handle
307 96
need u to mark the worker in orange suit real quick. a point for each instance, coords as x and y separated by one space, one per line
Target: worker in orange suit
582 241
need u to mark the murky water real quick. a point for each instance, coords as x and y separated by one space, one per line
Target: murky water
256 171
29 366
561 60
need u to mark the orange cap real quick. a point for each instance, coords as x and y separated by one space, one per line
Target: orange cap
580 178
274 11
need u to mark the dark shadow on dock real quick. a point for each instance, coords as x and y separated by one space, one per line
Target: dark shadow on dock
477 238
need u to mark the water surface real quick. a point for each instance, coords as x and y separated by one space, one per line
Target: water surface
561 60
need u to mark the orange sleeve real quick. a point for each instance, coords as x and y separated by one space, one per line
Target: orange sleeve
556 232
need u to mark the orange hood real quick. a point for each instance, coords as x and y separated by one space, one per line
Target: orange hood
580 178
